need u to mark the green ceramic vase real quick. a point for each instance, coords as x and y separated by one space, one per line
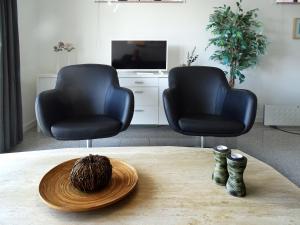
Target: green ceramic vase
220 174
236 165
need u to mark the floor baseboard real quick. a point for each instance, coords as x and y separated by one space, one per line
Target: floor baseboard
29 125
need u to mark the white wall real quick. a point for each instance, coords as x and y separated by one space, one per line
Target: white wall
91 26
28 18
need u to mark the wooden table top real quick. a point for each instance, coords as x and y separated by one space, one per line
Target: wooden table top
175 187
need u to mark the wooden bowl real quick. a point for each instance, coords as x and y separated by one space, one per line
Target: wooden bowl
57 191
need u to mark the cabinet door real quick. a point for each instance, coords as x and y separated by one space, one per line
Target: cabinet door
45 83
163 84
138 82
145 96
145 115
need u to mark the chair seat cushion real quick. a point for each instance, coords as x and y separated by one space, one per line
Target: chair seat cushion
85 128
205 125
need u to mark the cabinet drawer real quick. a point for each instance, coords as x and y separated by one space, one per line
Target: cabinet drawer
136 82
144 115
145 96
163 85
162 117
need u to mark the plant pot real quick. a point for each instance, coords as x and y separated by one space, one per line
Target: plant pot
231 82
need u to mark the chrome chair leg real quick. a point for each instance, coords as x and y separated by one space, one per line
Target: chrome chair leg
89 143
202 142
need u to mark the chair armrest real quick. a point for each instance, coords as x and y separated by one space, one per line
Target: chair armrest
49 109
241 105
171 108
120 105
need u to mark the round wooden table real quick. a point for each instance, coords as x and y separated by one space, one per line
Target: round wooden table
175 187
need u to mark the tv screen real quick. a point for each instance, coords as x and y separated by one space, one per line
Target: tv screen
139 55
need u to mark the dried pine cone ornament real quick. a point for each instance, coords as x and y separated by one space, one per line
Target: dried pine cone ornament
91 173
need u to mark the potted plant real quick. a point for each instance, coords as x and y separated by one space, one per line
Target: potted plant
238 38
191 57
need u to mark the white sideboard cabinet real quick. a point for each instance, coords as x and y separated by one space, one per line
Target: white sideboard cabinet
147 89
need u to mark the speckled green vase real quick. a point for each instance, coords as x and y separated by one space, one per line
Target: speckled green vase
220 174
236 165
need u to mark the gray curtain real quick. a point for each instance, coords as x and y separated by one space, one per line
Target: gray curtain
11 132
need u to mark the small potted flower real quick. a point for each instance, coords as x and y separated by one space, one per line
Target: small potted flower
60 49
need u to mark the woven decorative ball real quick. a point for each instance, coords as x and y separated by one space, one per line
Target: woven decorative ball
91 173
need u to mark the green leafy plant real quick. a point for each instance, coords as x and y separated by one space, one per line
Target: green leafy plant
239 39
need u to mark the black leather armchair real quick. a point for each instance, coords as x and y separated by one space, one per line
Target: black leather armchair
87 103
199 102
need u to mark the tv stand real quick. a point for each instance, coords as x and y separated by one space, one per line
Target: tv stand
147 88
145 73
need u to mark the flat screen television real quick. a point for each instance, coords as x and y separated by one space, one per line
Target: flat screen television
139 55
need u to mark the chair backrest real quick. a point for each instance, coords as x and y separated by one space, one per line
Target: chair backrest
85 87
199 89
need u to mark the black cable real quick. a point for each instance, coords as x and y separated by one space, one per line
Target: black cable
286 131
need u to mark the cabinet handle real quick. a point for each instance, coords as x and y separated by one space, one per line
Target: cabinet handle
139 92
139 110
139 82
